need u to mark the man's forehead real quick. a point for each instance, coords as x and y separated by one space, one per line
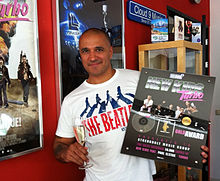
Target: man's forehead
93 44
92 37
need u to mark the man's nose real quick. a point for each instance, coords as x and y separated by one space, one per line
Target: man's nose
92 55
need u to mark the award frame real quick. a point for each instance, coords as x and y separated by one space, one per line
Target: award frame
170 124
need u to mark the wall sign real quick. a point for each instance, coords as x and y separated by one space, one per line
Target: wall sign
142 14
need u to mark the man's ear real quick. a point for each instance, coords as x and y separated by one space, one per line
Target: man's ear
111 52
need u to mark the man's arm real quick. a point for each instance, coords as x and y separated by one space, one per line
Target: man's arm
69 150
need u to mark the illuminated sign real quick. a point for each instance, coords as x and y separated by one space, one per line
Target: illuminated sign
142 14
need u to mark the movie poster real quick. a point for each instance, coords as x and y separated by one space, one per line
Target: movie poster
169 117
76 16
20 91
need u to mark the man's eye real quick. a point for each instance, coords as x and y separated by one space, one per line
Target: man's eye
100 49
84 51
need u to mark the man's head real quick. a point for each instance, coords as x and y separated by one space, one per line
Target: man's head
8 27
96 52
24 59
187 103
12 28
5 26
149 97
171 106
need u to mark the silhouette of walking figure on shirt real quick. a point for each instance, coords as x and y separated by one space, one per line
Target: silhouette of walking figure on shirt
87 107
113 102
103 104
122 97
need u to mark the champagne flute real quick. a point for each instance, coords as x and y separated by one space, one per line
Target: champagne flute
80 135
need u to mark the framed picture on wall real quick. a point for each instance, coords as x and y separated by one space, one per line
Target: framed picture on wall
71 19
20 83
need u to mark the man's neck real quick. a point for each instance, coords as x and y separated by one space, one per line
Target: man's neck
101 79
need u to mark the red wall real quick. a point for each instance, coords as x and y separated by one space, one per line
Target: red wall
41 165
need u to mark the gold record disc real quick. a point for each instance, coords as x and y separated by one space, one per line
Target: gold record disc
186 121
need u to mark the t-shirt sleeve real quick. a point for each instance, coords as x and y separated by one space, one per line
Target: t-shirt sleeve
65 124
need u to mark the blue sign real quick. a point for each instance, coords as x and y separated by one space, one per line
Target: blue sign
142 14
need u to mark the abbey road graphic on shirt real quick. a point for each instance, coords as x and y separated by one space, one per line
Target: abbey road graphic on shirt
102 104
99 119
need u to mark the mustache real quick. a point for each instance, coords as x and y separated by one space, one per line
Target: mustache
91 62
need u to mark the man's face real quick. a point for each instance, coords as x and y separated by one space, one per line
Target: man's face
12 28
170 106
23 59
6 27
187 103
96 52
1 62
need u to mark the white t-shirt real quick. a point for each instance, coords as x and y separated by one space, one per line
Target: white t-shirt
105 108
148 102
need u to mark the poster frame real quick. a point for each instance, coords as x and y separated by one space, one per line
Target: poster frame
37 142
58 50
